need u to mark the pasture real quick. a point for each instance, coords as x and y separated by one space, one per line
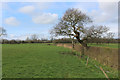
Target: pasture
46 61
110 45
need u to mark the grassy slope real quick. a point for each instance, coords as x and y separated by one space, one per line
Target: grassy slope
104 45
43 61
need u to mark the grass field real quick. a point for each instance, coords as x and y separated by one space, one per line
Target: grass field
105 45
45 61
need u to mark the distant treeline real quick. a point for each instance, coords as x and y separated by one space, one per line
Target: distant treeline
63 40
5 41
94 40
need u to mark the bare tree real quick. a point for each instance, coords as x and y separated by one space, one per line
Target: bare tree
34 37
27 39
73 24
96 32
110 36
2 31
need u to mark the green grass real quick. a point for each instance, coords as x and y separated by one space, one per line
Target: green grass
45 61
104 45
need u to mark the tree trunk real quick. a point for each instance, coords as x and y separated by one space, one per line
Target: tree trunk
82 42
73 43
84 45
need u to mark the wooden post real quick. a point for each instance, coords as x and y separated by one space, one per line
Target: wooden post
104 73
87 61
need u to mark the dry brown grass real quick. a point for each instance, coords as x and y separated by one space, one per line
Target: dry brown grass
106 56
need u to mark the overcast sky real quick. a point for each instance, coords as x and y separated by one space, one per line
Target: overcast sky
21 19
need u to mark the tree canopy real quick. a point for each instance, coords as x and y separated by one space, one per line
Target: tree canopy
73 23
